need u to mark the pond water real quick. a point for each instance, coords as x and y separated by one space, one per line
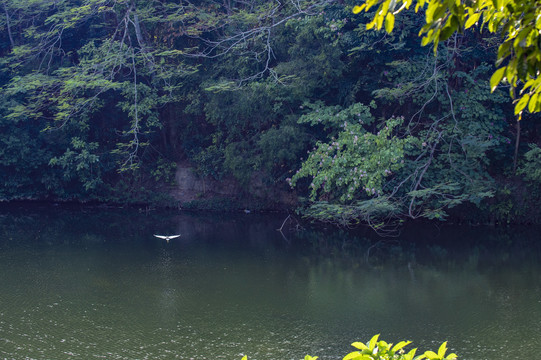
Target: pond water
95 284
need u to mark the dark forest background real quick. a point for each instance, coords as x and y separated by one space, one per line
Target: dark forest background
103 100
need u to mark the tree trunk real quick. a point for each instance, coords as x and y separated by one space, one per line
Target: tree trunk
137 26
141 39
8 26
517 143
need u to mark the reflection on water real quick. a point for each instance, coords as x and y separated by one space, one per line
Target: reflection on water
96 284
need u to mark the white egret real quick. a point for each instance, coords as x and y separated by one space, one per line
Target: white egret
167 237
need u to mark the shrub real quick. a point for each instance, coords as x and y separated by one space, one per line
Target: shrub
381 350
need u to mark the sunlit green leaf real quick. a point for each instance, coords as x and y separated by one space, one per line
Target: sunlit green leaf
358 8
353 356
496 78
533 103
400 345
521 104
360 346
389 22
442 350
373 342
379 21
472 20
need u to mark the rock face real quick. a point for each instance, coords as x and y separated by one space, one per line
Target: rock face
191 188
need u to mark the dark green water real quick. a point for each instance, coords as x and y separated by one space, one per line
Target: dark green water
95 284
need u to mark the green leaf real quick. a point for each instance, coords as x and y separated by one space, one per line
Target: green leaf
359 345
511 72
503 51
442 350
533 103
384 7
383 345
357 9
472 20
400 345
389 22
521 104
379 21
496 78
425 41
446 32
373 342
353 356
411 354
433 11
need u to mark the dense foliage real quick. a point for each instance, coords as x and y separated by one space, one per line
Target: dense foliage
101 99
517 21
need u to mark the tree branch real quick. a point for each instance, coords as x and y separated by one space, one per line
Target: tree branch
8 25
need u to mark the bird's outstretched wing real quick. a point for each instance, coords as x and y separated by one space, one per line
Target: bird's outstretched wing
167 237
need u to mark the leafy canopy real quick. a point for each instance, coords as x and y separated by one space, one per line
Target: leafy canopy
355 160
518 22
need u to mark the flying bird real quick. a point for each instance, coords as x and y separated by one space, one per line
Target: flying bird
167 237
